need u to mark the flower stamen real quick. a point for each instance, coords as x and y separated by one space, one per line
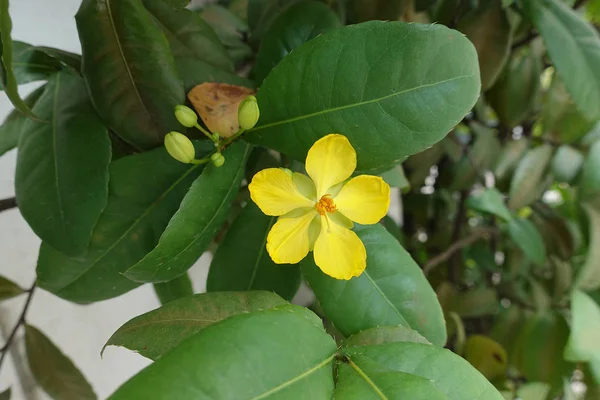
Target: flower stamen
325 205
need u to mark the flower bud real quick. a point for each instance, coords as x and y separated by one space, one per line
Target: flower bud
248 113
186 116
217 159
180 147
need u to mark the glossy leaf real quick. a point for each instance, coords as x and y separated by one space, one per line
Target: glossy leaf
448 372
383 88
8 289
392 291
514 94
487 356
135 98
144 191
61 182
527 181
525 235
487 26
174 289
10 131
583 344
192 228
189 35
299 23
384 334
30 64
242 263
156 332
63 57
490 201
7 58
261 14
53 370
574 48
566 163
205 365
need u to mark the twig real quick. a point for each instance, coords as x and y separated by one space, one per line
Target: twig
20 322
478 234
7 204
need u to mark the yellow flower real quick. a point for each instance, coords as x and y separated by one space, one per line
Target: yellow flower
316 213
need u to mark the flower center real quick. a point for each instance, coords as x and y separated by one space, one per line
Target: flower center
325 205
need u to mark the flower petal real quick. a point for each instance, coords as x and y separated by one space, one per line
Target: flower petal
339 252
275 193
364 199
287 242
330 160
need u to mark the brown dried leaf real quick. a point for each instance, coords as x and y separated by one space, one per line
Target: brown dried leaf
217 104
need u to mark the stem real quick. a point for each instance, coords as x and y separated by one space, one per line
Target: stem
206 133
200 161
7 204
20 322
232 138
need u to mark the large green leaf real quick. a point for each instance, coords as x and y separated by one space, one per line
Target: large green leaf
242 263
378 83
384 334
189 35
566 163
583 344
282 352
490 201
194 71
174 289
526 236
527 182
61 182
448 372
297 25
30 64
514 94
8 289
53 370
487 26
202 212
261 14
156 332
144 191
574 48
365 379
391 291
8 79
129 69
10 131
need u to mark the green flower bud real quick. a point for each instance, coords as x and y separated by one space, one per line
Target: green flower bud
186 116
248 113
217 159
180 147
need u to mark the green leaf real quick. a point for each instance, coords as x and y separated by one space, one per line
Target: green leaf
365 379
487 26
475 303
574 48
367 10
282 352
202 212
174 289
30 64
301 22
8 289
61 182
261 14
53 370
189 35
583 344
5 395
395 178
514 94
488 356
588 277
589 188
385 111
194 72
65 58
134 97
242 263
533 391
156 332
392 291
448 372
11 128
527 182
144 191
526 236
7 74
566 163
509 158
539 348
490 201
177 4
384 334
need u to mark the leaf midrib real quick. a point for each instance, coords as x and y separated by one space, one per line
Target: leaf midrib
358 104
365 273
366 378
259 255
